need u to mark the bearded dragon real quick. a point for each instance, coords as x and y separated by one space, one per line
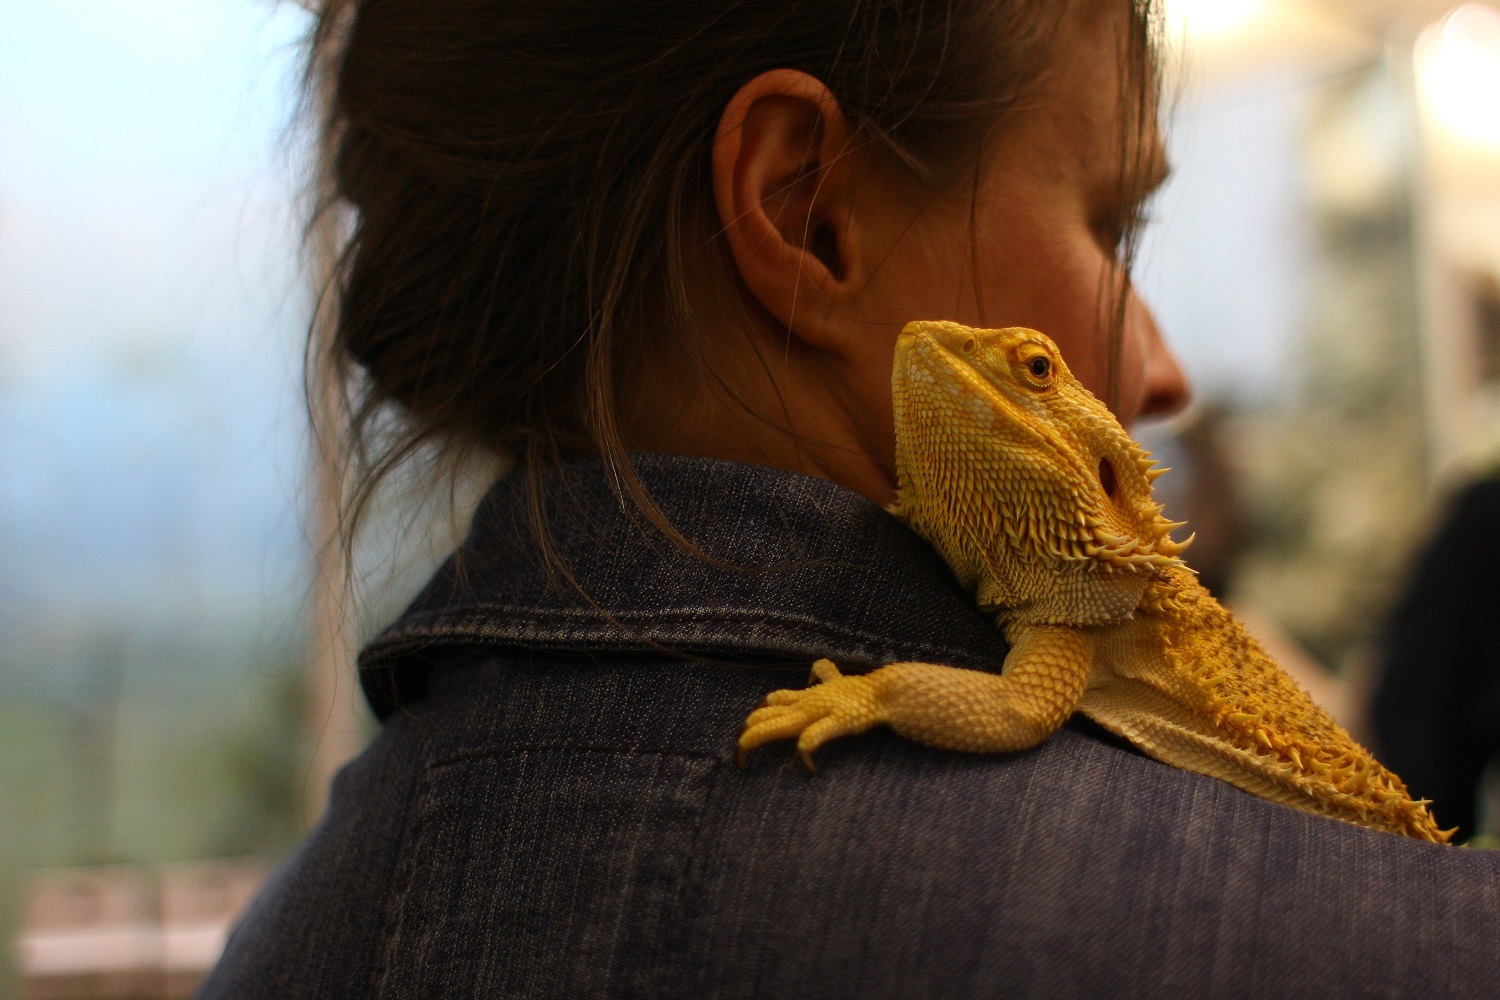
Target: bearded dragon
1041 504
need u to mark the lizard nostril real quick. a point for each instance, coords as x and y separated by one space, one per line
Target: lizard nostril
1107 477
969 346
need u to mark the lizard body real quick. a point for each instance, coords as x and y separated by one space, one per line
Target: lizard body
1041 504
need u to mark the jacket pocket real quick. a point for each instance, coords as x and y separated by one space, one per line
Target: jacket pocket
543 872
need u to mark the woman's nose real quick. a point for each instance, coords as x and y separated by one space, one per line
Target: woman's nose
1166 386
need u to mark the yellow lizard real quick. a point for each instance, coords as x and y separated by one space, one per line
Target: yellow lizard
1041 503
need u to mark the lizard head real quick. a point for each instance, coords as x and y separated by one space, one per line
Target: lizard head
1025 482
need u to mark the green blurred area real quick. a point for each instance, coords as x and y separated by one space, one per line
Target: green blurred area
152 759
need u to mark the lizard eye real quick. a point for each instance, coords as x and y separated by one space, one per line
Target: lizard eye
1040 367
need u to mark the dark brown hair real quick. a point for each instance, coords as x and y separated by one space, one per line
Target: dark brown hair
520 173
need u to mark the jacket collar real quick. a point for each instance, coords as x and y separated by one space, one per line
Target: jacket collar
804 569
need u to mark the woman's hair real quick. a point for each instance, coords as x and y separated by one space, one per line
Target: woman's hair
521 174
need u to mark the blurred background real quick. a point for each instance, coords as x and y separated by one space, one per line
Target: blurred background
176 678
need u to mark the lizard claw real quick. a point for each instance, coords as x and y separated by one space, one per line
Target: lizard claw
826 670
837 705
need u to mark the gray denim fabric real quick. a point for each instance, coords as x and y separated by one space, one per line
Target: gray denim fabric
552 808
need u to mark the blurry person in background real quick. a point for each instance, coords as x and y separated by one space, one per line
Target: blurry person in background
657 254
1437 710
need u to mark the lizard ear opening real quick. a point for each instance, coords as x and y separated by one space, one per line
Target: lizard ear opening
1107 478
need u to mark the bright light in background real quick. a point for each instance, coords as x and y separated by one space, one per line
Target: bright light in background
1224 40
1458 71
1212 21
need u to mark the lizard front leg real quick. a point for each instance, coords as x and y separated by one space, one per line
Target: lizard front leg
949 708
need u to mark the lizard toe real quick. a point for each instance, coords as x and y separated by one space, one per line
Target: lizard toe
825 670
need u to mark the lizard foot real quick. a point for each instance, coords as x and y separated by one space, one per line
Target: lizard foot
838 705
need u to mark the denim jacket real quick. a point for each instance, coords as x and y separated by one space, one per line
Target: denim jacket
552 807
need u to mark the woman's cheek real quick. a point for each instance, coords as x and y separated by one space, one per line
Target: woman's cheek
1132 379
1082 307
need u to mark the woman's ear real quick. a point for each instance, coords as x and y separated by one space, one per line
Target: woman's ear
783 176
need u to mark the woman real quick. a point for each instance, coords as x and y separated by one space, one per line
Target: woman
691 232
